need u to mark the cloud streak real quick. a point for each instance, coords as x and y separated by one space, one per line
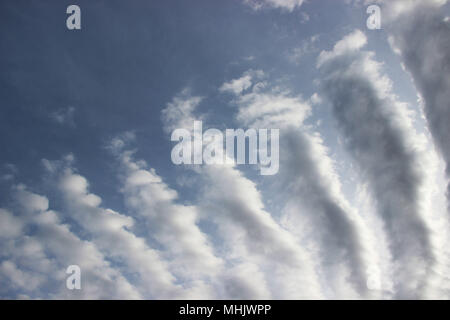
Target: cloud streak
34 263
421 35
315 204
379 134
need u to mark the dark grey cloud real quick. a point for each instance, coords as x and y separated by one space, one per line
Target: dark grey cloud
421 36
379 135
309 187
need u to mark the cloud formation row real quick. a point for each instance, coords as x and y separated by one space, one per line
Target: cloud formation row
292 236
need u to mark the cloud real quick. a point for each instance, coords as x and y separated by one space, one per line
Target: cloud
394 9
64 116
315 99
313 200
252 238
304 18
239 211
421 36
34 263
350 43
9 172
222 231
178 113
111 233
379 133
271 109
173 226
256 284
10 226
288 5
308 46
236 86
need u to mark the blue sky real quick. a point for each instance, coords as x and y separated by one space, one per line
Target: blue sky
81 110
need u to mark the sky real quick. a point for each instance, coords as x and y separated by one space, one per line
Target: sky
359 205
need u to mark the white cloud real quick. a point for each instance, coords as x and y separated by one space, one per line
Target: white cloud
315 189
178 113
35 264
288 5
350 43
111 233
236 86
393 9
315 99
172 225
64 116
308 46
421 38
